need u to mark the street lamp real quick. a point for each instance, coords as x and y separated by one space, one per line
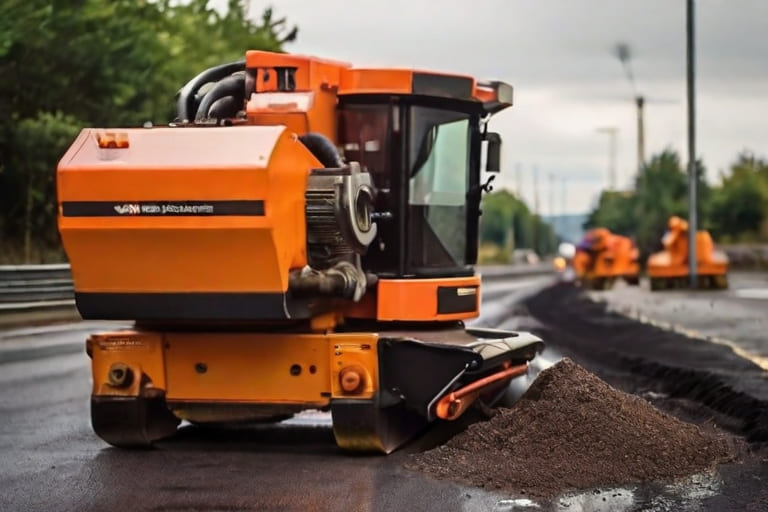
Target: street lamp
623 53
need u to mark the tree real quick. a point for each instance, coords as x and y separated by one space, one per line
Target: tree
740 205
505 215
615 211
67 64
39 140
660 192
498 217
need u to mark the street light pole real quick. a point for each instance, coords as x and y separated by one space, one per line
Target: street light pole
623 53
640 102
692 178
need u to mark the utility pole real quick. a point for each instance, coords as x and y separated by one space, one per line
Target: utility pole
640 102
552 220
692 178
563 192
611 131
519 180
552 196
535 190
536 217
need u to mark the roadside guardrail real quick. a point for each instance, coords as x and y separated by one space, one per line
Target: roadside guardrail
499 272
29 286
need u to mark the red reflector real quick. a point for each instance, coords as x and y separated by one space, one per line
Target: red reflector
113 140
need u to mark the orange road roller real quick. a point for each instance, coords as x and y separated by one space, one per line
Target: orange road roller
302 236
669 268
602 257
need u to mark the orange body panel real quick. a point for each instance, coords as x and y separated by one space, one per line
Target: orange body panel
581 262
138 253
362 81
311 73
417 299
673 260
311 108
255 367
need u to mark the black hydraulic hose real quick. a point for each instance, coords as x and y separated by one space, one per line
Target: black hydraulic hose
229 86
333 284
323 149
185 105
226 107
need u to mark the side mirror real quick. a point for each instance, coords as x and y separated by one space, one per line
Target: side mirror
493 152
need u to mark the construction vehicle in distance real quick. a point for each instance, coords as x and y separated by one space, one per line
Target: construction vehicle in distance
302 237
669 268
603 257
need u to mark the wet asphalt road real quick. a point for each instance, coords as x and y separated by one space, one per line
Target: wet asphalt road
51 460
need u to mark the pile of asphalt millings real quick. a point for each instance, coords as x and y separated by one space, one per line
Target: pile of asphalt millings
572 431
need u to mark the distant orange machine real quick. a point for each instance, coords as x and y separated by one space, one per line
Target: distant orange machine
602 257
669 267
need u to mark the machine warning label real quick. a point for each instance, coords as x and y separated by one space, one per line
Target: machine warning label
121 343
161 208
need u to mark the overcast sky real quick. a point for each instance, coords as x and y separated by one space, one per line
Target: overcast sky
559 56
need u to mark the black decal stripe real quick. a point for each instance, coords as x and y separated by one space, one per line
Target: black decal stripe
161 208
183 306
450 300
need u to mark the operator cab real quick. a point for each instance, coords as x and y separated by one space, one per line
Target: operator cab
424 155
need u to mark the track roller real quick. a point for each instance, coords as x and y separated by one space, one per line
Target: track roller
132 422
362 426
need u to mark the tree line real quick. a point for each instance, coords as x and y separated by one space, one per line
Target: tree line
735 211
507 224
70 64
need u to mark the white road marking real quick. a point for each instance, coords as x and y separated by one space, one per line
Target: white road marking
752 293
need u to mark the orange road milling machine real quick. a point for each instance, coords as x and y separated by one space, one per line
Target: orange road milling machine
669 267
602 257
301 237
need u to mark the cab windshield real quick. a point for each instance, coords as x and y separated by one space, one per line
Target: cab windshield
438 183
